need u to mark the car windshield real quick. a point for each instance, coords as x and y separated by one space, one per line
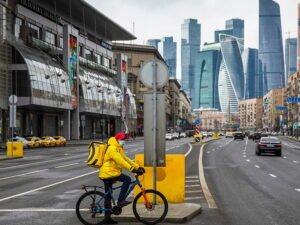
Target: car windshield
269 140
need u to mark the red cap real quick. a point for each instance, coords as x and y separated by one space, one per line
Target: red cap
120 136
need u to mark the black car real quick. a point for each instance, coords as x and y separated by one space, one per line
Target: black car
256 136
238 135
269 145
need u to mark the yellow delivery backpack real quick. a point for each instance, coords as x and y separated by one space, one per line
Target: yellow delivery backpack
97 151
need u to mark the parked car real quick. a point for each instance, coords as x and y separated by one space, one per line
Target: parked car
238 135
169 136
190 133
204 134
19 139
269 145
34 142
228 134
48 141
250 135
176 135
256 136
60 141
183 135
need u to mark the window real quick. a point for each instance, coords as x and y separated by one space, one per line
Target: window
106 62
60 42
98 58
88 54
50 38
34 31
18 27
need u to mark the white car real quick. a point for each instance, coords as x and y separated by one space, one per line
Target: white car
176 135
204 134
229 134
183 135
169 136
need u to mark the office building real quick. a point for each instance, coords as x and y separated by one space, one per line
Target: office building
190 45
290 57
57 60
231 73
153 42
270 45
205 93
233 27
167 48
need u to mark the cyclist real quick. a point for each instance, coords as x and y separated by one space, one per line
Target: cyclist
111 171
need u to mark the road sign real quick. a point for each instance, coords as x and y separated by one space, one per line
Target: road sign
13 99
147 73
197 122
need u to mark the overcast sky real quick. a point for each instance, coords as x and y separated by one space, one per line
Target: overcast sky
160 18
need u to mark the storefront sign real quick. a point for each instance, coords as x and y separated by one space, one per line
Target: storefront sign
106 45
293 99
281 108
30 4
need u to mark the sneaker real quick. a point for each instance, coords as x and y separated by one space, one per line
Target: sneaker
123 203
110 221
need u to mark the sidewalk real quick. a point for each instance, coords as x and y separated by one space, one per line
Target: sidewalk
88 141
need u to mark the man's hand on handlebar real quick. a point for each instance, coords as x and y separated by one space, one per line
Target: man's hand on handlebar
139 171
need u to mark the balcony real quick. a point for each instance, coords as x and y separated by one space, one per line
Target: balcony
44 46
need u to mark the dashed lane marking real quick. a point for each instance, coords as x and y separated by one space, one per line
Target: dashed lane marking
272 175
284 157
248 160
192 185
191 181
257 166
72 164
194 191
297 189
192 198
192 177
295 162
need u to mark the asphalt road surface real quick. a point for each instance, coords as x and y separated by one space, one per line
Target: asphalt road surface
242 188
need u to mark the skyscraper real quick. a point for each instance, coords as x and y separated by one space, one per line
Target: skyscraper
205 92
233 27
167 48
153 42
270 45
190 45
251 75
290 57
231 74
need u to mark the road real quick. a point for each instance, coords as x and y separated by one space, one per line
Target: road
245 189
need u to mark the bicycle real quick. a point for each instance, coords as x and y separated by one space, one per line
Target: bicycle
90 208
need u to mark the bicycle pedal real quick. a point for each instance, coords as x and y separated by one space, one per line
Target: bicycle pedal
117 210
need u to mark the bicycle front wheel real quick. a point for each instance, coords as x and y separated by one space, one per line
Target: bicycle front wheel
89 208
152 213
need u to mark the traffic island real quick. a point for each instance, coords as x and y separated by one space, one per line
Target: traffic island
177 213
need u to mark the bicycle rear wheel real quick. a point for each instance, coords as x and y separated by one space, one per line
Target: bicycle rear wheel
89 208
155 212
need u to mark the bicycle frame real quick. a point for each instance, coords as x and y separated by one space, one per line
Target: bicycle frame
110 192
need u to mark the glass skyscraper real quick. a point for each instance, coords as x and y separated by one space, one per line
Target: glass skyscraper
251 75
167 48
231 74
290 57
205 93
153 42
190 45
234 27
270 45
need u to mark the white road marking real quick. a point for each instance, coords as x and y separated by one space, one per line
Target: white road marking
66 165
189 151
192 177
208 152
192 185
257 166
284 157
244 156
297 189
248 160
208 196
295 162
36 210
192 198
272 175
194 191
191 181
47 186
23 174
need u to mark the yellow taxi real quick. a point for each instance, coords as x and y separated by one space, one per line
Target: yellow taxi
34 142
60 141
48 141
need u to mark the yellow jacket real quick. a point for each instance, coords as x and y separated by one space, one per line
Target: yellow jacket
114 160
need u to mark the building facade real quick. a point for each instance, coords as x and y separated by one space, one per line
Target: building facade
251 111
231 74
253 81
60 68
273 119
293 90
290 57
190 45
205 92
270 45
233 27
168 49
153 42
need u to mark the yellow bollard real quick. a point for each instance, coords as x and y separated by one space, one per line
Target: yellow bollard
170 179
14 149
197 139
